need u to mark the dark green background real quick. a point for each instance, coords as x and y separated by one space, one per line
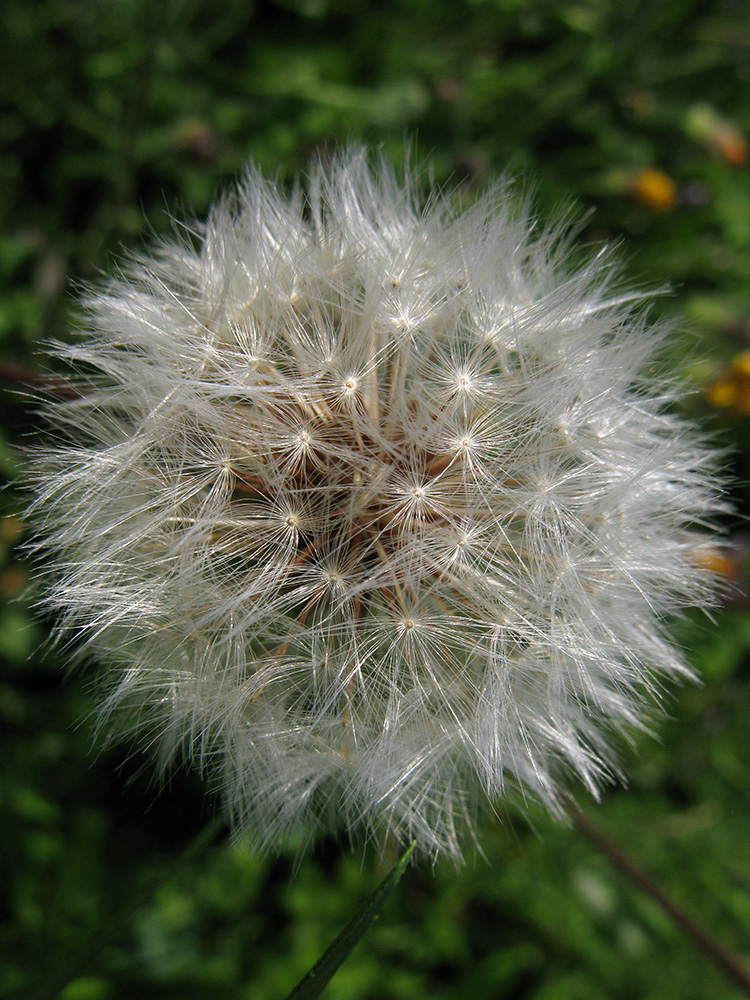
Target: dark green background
116 113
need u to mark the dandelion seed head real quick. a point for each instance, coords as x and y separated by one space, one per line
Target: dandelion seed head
374 508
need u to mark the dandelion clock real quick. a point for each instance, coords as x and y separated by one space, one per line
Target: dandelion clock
372 506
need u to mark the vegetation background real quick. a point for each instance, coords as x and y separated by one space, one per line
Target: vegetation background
116 113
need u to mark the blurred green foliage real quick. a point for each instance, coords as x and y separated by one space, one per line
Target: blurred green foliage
118 114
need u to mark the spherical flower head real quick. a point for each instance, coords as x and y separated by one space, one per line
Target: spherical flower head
371 506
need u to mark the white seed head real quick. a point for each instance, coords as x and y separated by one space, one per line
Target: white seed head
369 508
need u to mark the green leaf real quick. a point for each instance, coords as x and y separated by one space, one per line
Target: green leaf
316 980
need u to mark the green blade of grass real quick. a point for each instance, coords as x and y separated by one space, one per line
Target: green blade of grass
314 982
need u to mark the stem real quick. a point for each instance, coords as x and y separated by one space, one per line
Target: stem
10 372
624 863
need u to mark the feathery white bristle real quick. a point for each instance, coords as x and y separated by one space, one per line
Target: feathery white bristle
370 509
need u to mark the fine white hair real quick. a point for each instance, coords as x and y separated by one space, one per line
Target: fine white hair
372 506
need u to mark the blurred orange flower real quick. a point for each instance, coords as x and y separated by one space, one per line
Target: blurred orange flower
732 388
704 123
717 560
654 188
730 144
